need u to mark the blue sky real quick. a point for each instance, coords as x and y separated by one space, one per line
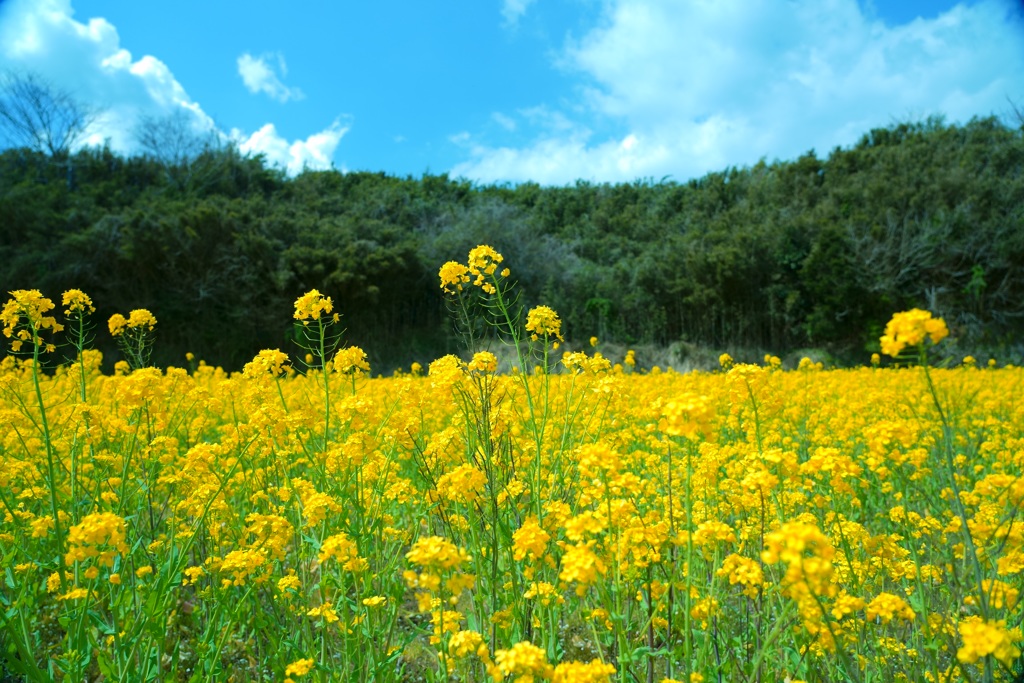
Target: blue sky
524 90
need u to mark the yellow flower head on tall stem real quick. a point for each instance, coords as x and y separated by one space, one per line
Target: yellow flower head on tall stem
542 321
77 301
138 320
483 362
484 259
436 552
910 328
453 275
27 309
311 305
988 637
483 262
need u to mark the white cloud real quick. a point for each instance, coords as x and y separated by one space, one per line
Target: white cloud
259 75
513 10
313 153
86 59
688 88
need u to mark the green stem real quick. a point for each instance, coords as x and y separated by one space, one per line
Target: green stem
51 478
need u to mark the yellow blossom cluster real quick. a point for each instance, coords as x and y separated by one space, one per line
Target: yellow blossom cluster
542 321
585 523
140 319
24 316
481 269
312 305
344 550
77 301
350 360
101 535
910 328
982 638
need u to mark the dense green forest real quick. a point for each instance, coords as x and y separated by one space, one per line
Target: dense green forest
810 253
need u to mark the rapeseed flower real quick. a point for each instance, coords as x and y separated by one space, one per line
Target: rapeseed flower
466 643
524 661
987 637
594 671
482 263
742 571
582 566
24 317
351 360
343 549
311 305
910 328
542 321
300 667
436 552
138 320
885 607
77 301
483 362
101 535
453 276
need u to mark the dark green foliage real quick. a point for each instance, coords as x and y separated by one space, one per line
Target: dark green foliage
816 252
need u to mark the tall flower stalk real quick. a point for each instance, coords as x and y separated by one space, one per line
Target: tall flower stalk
25 320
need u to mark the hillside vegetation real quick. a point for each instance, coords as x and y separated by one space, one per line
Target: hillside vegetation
808 253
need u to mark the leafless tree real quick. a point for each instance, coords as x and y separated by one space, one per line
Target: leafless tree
190 158
1018 111
37 114
172 139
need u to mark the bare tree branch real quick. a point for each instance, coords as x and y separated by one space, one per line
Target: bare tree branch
172 139
1018 111
35 113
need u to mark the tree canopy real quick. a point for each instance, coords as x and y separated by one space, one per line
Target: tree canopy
813 252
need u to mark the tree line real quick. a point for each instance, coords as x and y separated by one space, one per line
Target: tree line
815 252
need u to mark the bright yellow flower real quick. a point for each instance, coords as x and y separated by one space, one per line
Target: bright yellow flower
525 662
27 308
687 415
483 362
101 535
982 638
344 550
351 360
453 275
325 612
138 320
311 305
886 607
581 565
594 671
299 667
910 328
77 301
267 361
529 541
744 572
542 321
466 643
437 553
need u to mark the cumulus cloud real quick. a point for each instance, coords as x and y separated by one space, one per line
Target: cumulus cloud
314 153
87 60
260 75
688 88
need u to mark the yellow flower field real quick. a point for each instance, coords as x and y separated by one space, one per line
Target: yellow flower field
579 521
